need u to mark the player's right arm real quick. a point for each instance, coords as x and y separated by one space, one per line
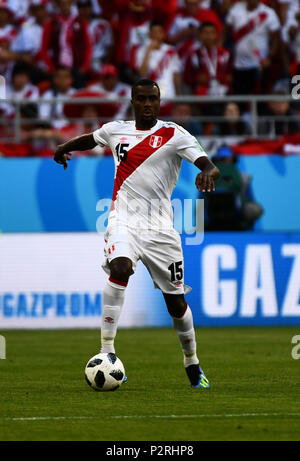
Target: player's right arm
205 180
63 151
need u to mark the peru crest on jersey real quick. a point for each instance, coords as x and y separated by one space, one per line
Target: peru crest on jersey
155 141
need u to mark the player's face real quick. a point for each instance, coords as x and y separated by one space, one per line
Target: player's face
146 105
208 35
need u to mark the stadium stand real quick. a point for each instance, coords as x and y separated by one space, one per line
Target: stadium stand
205 54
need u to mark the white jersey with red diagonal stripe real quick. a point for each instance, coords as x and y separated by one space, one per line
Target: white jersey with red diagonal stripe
251 33
147 166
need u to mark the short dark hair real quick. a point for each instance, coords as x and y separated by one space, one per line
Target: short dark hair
21 68
63 68
207 24
143 82
155 22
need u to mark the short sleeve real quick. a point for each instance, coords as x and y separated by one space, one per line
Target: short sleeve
273 21
188 147
230 18
101 136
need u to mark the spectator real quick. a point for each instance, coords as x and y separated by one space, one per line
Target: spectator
7 30
8 34
184 27
182 115
159 62
29 40
285 8
208 67
62 89
291 39
255 31
19 89
232 206
132 32
6 61
110 87
275 110
20 9
66 42
100 33
232 125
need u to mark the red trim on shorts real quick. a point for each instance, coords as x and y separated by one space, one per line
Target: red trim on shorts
123 284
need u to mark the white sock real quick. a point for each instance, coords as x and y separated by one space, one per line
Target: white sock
184 327
112 302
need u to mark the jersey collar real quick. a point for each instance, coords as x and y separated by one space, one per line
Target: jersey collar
150 129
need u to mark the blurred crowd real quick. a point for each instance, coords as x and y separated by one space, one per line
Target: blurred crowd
53 49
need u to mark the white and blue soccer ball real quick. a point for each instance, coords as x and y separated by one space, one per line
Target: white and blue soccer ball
104 372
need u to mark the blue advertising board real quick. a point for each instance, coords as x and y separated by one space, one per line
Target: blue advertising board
37 195
244 279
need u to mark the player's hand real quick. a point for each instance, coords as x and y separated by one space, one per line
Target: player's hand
204 182
60 156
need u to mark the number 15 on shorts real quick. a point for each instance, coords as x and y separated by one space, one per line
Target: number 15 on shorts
176 271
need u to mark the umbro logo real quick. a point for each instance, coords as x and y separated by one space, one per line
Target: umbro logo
109 320
178 284
187 341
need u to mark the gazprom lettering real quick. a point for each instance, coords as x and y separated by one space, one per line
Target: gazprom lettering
219 296
256 294
49 304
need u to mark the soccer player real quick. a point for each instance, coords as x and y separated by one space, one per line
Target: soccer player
148 153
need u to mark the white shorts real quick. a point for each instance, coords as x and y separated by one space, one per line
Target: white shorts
160 252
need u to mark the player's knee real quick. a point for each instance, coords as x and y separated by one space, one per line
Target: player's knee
176 305
121 269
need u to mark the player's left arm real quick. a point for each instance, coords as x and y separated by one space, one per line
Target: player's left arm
209 172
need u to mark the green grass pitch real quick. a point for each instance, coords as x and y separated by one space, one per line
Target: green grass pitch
254 392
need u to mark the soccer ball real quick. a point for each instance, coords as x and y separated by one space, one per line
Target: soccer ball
104 372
